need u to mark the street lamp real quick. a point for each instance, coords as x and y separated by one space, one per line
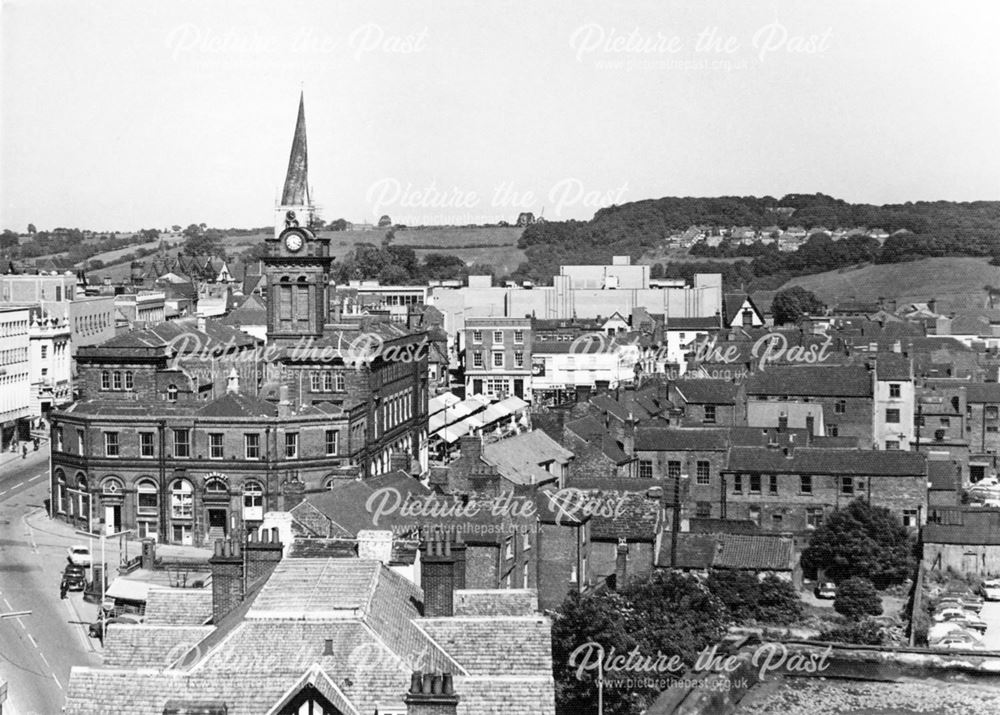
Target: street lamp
104 566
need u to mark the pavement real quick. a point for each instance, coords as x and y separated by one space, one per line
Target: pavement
991 614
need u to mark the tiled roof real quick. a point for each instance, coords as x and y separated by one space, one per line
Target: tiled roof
178 606
710 323
636 517
943 474
518 458
893 366
238 405
755 551
149 647
709 392
484 645
812 460
672 439
694 551
506 602
979 392
980 527
812 380
592 431
304 586
346 504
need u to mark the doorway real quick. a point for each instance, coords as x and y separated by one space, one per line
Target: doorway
518 387
112 519
217 523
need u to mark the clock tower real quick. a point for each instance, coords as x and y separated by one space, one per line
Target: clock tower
297 264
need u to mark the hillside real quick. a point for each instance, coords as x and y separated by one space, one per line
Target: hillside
956 283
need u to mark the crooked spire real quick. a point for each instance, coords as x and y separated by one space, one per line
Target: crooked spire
296 191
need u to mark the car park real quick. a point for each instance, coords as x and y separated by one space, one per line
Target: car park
969 600
962 603
79 555
957 641
961 616
825 589
990 589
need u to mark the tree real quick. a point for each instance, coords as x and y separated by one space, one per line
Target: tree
862 540
442 266
9 239
865 632
662 613
31 228
337 225
857 597
175 228
384 221
767 600
791 304
207 244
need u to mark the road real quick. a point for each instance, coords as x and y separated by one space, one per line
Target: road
37 651
991 614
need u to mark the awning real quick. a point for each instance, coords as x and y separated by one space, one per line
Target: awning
493 413
512 403
439 403
453 433
126 590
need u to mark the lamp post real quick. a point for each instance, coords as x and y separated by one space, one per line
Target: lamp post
104 566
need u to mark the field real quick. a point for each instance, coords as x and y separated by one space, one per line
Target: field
488 245
956 283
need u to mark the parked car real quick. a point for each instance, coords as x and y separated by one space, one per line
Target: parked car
968 601
958 641
825 589
960 615
79 555
96 629
990 589
75 577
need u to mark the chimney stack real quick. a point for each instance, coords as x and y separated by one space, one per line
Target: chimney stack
400 461
810 427
442 572
431 694
471 447
227 578
621 563
263 552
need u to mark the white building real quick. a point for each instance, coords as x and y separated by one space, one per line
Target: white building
894 402
15 379
558 367
50 363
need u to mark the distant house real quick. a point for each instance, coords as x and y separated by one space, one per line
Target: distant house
963 539
760 554
739 310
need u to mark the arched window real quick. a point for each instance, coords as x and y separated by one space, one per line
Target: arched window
172 393
216 487
112 485
60 490
81 481
128 380
147 497
253 501
331 482
105 380
181 499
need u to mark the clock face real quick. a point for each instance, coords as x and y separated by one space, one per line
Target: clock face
293 241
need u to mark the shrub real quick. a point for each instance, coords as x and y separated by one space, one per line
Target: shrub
866 632
857 597
747 598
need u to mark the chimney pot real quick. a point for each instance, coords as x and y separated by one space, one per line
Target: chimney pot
275 535
219 547
448 684
252 537
427 685
437 685
416 678
328 646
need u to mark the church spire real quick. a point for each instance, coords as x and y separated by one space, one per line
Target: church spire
296 191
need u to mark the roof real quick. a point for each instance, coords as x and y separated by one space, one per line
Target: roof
636 517
893 366
593 432
976 526
128 590
709 323
709 392
812 460
943 474
346 507
352 629
983 392
238 405
751 552
152 646
812 380
676 439
296 189
251 311
178 606
520 458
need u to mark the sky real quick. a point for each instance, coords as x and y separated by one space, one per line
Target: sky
124 114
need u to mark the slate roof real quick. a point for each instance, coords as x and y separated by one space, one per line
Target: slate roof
178 606
893 366
345 505
636 517
592 431
489 602
708 392
812 380
251 311
694 551
942 475
709 323
518 458
751 552
238 405
980 527
812 460
149 647
370 616
674 439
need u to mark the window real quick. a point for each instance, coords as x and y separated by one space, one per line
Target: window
216 486
129 380
772 483
45 351
59 439
182 443
315 381
805 484
215 445
892 416
498 359
508 548
251 446
338 382
477 359
477 336
291 445
526 542
703 510
105 380
737 484
710 413
814 517
892 445
110 444
146 444
753 514
847 485
703 472
181 499
332 442
910 517
524 579
674 469
518 336
776 520
80 441
831 430
518 359
840 407
991 412
893 390
946 422
497 337
147 498
116 380
646 468
253 501
755 484
172 393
